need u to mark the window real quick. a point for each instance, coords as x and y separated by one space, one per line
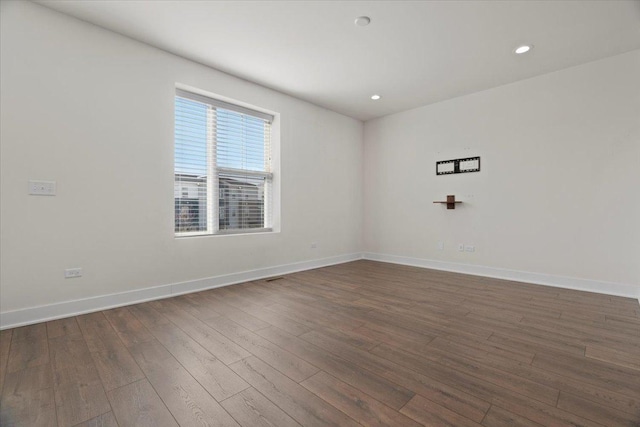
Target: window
222 173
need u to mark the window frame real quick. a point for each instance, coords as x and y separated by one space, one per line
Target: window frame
215 173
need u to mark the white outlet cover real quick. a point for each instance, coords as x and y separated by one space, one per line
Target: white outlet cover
70 273
42 188
461 247
470 248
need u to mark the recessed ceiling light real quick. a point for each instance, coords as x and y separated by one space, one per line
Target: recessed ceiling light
522 49
375 97
363 21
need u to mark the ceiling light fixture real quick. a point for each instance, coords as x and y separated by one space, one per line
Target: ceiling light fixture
375 97
522 49
363 21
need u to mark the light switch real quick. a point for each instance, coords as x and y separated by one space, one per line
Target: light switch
42 188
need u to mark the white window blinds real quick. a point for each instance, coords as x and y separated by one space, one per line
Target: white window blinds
223 176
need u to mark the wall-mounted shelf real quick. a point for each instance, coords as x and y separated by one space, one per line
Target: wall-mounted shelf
451 202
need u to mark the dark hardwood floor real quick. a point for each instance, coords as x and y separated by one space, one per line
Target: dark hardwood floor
362 343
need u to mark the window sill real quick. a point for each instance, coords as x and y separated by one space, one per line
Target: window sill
225 233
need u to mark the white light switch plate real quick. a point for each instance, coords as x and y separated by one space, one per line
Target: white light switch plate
42 188
70 273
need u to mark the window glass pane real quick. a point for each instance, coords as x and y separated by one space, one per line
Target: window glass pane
190 137
241 202
240 141
191 213
190 168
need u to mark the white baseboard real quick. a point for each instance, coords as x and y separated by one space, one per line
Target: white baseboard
27 316
617 289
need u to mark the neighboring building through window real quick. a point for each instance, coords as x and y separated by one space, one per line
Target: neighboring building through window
222 174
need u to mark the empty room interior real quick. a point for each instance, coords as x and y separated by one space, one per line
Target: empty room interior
319 213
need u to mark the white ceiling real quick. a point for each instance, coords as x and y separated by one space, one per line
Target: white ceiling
413 53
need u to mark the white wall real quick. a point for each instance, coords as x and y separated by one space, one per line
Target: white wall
559 189
93 111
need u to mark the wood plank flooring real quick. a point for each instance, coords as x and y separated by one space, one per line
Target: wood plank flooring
362 343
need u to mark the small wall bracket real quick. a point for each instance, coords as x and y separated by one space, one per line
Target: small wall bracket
451 201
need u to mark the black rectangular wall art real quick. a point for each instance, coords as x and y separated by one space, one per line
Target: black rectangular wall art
467 164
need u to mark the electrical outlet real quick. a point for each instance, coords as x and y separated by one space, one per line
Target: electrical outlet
314 245
70 273
470 248
461 247
440 246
